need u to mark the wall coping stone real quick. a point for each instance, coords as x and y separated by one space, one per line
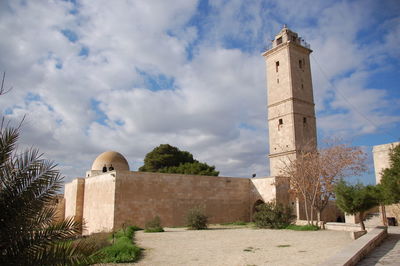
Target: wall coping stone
358 249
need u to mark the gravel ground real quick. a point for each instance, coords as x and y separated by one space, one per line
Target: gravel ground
239 246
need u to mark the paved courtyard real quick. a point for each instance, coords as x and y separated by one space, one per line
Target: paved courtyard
239 246
388 253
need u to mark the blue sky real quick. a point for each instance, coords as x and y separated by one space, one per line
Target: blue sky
129 75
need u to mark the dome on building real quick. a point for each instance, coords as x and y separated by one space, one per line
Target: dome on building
112 160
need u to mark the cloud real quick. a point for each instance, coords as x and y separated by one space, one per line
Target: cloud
130 75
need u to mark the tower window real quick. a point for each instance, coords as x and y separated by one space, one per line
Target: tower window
279 41
302 86
277 81
294 38
277 66
300 64
280 121
304 120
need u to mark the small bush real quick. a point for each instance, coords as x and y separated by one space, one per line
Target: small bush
302 227
196 219
272 215
153 225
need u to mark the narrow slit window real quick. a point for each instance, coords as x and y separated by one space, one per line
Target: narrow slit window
277 66
302 86
277 81
300 64
304 120
279 41
280 121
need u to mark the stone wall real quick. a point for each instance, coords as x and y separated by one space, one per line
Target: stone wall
141 196
73 195
111 200
99 202
329 214
381 158
59 202
382 161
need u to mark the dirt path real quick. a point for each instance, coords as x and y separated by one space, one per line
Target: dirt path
239 246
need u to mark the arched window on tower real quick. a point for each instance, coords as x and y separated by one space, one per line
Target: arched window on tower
104 168
110 168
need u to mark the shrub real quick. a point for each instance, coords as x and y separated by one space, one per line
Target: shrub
153 225
196 219
272 215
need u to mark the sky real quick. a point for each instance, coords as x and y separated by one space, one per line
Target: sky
122 75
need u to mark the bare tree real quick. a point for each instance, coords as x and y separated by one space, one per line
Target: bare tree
313 174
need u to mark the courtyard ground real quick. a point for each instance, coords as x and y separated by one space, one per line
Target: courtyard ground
239 246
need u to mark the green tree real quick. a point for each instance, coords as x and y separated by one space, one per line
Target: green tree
169 159
356 199
29 234
390 181
195 168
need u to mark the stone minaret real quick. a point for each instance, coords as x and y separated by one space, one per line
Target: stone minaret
291 115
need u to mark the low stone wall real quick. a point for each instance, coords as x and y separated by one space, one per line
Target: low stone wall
358 249
349 227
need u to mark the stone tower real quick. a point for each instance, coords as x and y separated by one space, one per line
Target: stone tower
291 114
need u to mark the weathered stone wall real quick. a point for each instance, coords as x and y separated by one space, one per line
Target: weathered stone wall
99 201
381 158
381 154
73 195
329 214
59 202
141 196
262 189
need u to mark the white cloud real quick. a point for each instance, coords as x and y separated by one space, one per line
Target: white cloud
90 94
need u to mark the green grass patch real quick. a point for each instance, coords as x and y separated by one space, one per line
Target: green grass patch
154 230
123 248
302 227
235 223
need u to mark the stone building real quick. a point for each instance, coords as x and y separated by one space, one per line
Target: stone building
381 161
110 195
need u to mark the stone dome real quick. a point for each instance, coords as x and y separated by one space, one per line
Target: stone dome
110 159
